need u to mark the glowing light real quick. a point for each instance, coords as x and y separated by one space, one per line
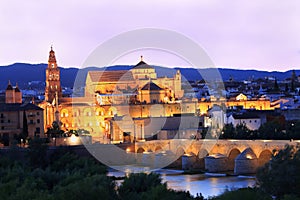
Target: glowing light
248 156
73 139
128 150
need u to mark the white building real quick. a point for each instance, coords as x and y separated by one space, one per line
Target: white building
252 121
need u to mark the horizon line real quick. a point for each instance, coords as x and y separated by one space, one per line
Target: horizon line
173 67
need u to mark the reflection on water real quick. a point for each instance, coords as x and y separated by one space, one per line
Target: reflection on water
199 183
208 186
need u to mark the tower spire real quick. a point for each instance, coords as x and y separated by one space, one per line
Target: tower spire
52 58
52 78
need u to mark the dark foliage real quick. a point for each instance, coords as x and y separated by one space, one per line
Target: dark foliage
281 176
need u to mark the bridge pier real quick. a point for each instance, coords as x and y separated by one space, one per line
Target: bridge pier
216 163
246 163
189 161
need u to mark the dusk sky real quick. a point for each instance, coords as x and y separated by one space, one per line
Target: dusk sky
255 34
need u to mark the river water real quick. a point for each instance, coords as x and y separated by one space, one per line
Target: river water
206 184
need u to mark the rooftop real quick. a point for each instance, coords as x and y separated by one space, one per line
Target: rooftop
151 86
110 76
5 107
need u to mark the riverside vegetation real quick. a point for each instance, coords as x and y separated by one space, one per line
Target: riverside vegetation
65 175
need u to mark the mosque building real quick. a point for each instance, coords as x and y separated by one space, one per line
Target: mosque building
119 104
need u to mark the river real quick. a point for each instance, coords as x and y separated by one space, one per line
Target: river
199 183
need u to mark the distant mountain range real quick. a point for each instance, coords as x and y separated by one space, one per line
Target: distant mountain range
22 73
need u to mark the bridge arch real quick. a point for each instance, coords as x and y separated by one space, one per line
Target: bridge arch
264 157
231 158
140 150
202 153
158 149
180 151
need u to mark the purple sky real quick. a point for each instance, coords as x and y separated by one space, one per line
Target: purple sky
239 34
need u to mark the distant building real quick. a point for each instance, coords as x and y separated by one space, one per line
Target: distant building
12 114
252 122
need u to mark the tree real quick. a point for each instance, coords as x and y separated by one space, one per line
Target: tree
148 186
228 132
55 130
24 133
281 176
37 152
286 87
270 130
242 131
243 193
293 130
276 87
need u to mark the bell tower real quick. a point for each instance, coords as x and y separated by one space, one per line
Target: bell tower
52 79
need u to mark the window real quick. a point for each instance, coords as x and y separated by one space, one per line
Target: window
255 121
2 127
2 115
8 121
250 121
31 121
37 113
38 121
37 130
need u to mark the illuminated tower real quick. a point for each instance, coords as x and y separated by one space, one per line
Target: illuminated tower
18 95
9 94
52 79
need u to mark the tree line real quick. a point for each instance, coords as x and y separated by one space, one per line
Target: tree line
65 175
271 130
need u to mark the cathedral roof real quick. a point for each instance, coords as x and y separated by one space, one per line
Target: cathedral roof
110 76
142 65
151 86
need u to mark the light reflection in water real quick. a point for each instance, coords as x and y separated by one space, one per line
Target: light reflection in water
198 183
208 186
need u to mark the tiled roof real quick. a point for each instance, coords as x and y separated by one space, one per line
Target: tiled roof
9 87
151 86
142 65
5 107
110 76
245 116
17 89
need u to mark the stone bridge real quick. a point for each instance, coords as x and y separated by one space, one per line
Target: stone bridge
216 155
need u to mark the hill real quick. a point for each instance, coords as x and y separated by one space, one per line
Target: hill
24 73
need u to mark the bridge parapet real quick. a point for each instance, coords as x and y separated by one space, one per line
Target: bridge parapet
212 146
